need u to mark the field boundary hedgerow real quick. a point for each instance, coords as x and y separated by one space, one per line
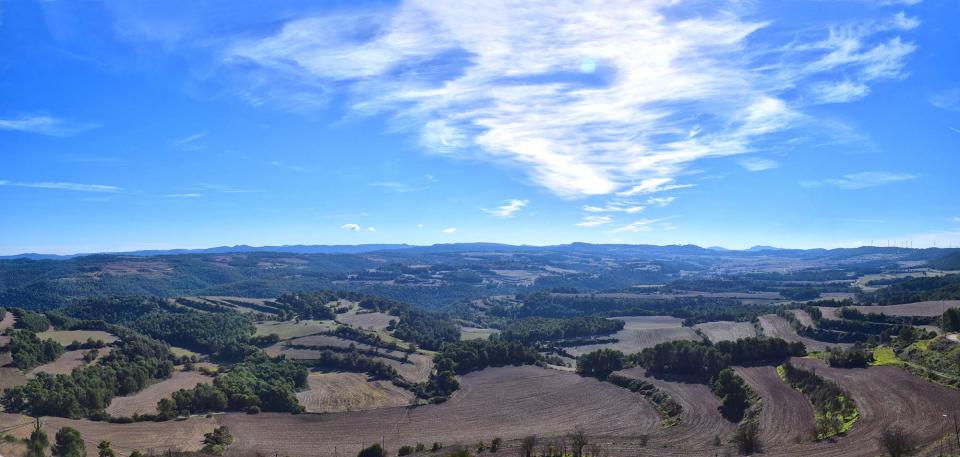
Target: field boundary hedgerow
835 413
668 408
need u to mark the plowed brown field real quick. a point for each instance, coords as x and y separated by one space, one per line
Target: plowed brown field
787 415
726 331
145 401
338 392
184 435
778 327
509 402
7 321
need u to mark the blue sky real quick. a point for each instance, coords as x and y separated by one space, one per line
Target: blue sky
814 123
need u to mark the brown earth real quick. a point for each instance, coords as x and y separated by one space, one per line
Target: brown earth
803 318
145 401
183 435
778 327
700 421
63 365
7 321
369 321
416 369
787 415
641 332
509 402
726 330
886 396
338 392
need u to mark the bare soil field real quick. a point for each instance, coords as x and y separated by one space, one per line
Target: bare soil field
416 369
329 341
509 402
803 317
146 400
63 365
339 392
764 297
778 327
726 330
185 435
630 341
473 333
4 340
885 396
923 308
700 421
368 321
65 337
9 376
7 321
787 415
291 329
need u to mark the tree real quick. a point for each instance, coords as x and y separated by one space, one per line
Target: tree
950 320
527 446
495 444
898 442
578 439
69 443
747 437
217 441
104 449
137 453
37 442
373 451
600 363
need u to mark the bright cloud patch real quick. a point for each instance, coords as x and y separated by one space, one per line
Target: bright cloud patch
758 163
511 208
594 221
862 180
44 125
592 98
351 227
64 186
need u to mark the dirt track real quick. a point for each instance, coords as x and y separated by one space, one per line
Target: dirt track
510 402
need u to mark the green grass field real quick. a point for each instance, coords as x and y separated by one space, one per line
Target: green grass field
885 356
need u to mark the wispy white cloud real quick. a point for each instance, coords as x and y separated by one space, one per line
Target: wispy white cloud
954 129
371 229
450 230
861 180
351 227
660 201
590 98
64 186
615 207
642 225
758 163
510 209
287 166
45 125
189 142
184 195
398 186
653 185
594 221
947 100
955 219
839 91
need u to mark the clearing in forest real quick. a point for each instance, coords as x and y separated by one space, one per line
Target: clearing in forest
338 392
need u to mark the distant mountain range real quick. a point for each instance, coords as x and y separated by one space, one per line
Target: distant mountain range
689 249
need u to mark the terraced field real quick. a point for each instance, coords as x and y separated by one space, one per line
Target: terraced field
726 330
338 392
416 369
509 402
